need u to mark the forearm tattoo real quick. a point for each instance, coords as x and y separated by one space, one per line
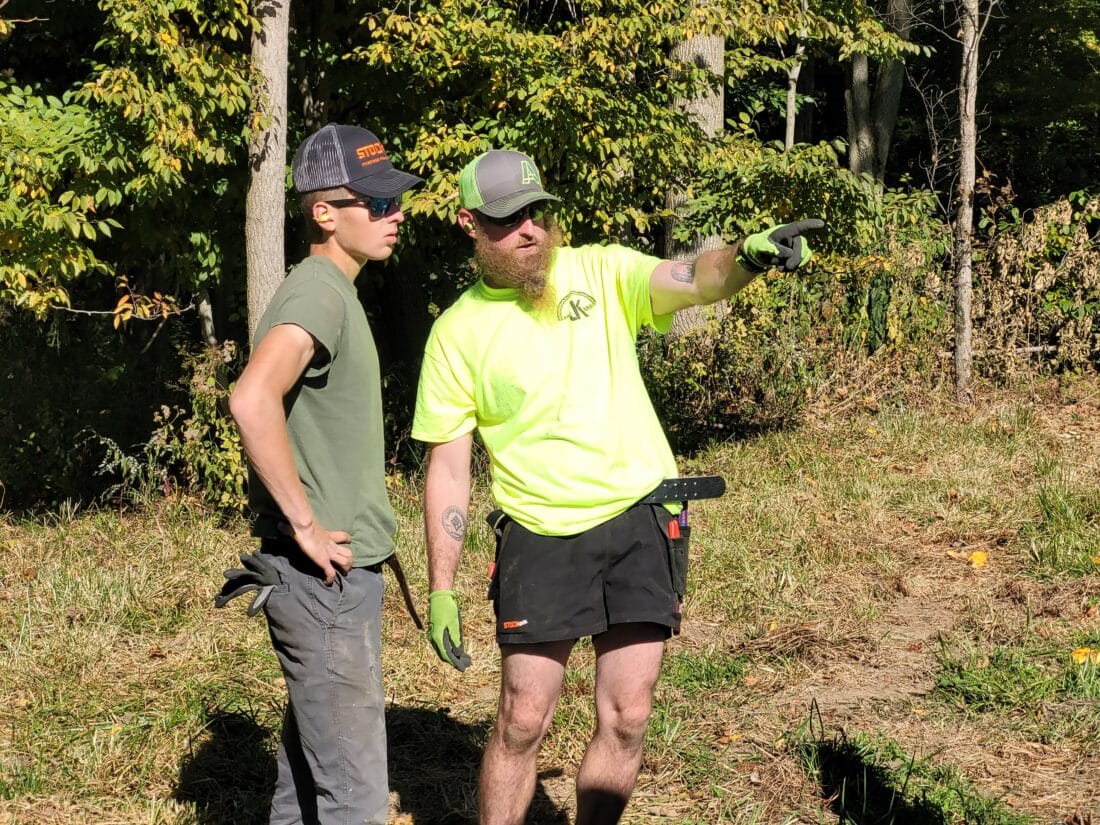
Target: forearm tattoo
454 523
683 271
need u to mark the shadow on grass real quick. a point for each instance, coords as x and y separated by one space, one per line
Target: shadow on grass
230 776
433 767
862 793
434 764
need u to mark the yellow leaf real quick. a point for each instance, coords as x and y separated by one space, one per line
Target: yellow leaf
1094 559
978 558
1084 655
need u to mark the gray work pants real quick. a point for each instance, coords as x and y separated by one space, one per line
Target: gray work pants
332 757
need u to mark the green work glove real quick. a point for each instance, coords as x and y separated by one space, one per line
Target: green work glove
444 626
779 247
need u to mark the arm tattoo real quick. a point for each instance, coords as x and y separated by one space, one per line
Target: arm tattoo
683 271
454 523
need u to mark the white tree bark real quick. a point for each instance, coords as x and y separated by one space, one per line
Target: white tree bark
968 137
265 211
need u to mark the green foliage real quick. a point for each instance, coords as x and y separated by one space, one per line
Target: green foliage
1044 88
755 367
55 179
159 100
202 439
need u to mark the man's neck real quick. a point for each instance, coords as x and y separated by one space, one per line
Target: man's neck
344 262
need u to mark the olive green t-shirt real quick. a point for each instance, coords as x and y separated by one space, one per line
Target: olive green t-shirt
557 395
333 414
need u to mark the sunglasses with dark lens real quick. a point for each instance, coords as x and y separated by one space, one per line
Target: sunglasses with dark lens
534 211
379 207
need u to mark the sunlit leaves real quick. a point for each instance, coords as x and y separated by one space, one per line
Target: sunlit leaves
166 95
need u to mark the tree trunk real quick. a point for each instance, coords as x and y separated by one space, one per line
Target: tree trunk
708 111
792 85
265 211
206 318
891 78
873 106
968 94
857 99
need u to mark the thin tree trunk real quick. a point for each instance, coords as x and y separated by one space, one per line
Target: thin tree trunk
968 93
708 111
792 84
265 211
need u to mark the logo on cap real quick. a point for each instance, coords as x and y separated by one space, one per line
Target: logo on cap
528 173
370 153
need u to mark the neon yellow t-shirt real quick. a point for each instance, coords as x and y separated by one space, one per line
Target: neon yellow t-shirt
557 395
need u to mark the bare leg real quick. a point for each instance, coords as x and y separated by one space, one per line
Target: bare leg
628 661
530 681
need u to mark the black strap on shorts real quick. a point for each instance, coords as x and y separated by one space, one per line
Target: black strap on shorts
688 488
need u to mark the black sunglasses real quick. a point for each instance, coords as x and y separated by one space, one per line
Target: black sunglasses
536 211
379 207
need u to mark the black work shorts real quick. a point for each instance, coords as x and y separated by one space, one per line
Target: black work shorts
551 588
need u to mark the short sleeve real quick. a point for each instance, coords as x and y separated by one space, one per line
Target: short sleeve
633 271
445 408
320 312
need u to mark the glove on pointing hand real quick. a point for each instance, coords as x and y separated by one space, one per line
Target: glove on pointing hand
444 626
780 247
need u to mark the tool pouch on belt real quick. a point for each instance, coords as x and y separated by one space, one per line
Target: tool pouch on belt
678 557
499 521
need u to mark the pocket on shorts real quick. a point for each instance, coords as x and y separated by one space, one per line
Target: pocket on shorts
501 525
677 541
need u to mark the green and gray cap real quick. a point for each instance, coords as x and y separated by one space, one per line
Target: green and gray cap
500 182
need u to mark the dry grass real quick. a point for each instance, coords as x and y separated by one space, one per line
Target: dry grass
836 574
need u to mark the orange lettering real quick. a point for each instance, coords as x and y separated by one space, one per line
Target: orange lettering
371 149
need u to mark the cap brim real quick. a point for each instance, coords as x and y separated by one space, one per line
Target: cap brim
388 184
503 207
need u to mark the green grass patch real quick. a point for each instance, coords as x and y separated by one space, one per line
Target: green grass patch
703 673
1065 536
871 780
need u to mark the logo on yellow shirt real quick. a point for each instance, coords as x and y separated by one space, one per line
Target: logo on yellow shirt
575 306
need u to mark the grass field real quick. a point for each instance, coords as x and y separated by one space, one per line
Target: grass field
892 617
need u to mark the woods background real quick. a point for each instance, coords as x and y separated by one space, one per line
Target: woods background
131 134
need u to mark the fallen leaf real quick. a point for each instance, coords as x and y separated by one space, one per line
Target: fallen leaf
1084 655
978 558
726 737
157 653
1091 612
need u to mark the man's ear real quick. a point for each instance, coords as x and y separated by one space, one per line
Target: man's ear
466 222
322 212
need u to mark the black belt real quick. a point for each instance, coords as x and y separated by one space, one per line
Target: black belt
688 488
